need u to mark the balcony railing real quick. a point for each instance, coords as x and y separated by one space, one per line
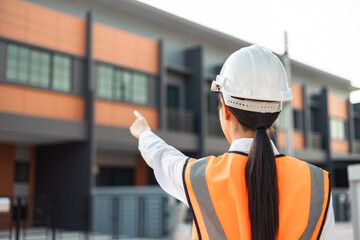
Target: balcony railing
180 120
356 146
315 140
213 126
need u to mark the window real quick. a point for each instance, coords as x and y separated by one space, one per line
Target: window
122 85
38 68
140 89
113 176
173 96
21 172
105 88
61 73
298 119
337 129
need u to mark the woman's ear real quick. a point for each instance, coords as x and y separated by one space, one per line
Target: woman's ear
226 110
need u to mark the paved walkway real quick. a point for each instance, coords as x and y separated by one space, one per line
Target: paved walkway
344 231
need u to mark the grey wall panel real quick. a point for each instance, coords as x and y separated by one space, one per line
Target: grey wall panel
78 76
115 138
41 128
2 61
120 139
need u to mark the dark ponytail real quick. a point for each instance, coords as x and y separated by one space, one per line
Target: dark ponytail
261 175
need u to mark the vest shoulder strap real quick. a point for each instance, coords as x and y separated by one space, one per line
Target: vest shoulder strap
320 196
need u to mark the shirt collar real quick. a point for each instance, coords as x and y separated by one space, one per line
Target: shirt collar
244 145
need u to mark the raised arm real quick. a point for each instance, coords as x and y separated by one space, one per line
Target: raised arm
166 161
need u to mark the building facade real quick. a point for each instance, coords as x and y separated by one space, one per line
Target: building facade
72 72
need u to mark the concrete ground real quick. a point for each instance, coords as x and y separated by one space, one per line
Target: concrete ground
344 231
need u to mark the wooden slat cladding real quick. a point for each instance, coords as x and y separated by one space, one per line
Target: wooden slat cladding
337 107
125 49
41 103
121 114
33 24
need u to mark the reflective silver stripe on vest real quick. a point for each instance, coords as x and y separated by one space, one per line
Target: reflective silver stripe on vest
198 182
317 201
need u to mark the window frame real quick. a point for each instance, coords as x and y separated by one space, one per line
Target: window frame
51 54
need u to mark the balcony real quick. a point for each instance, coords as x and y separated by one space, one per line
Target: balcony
213 126
180 120
315 140
356 146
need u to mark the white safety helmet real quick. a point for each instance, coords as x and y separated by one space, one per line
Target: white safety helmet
253 79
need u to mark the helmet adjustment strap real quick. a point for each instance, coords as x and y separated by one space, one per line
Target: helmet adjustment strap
252 105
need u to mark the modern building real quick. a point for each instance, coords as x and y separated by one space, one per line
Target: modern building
73 71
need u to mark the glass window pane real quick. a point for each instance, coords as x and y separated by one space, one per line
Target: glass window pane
119 88
128 86
61 73
16 63
39 69
105 77
140 88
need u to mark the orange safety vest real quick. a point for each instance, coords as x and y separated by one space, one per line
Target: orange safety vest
217 196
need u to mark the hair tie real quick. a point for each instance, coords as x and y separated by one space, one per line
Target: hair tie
260 127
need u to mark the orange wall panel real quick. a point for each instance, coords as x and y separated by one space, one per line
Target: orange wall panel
339 146
43 103
337 107
297 101
28 22
121 114
281 138
125 49
298 139
7 169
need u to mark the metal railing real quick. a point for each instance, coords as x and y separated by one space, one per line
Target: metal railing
356 146
213 126
315 140
180 120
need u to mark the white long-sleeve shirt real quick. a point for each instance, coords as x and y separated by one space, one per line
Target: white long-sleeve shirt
168 163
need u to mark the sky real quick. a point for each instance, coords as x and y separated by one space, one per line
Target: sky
322 34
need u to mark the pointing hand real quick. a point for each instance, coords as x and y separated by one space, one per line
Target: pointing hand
139 125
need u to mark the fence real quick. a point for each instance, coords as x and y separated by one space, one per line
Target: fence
124 213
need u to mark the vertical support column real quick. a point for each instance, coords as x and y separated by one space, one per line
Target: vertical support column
162 108
90 95
194 92
288 110
306 118
351 126
325 129
354 191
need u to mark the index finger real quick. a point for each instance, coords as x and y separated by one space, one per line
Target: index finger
138 115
